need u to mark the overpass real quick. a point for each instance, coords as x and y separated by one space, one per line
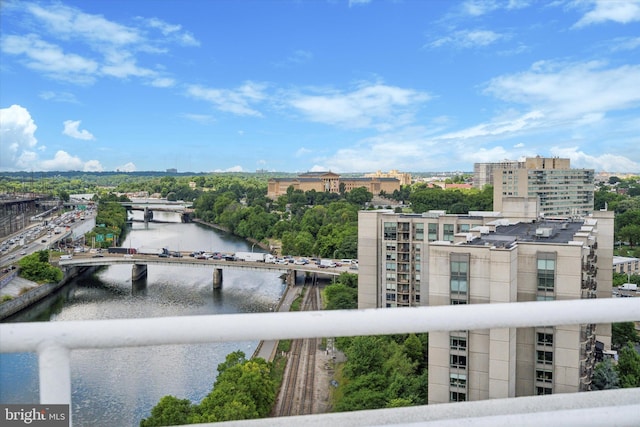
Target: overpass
148 207
141 262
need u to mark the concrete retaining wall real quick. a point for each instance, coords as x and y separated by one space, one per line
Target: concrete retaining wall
34 295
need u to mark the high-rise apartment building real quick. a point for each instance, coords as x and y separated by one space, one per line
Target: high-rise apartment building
561 190
438 259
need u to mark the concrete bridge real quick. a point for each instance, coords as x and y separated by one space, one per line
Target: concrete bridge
140 264
181 208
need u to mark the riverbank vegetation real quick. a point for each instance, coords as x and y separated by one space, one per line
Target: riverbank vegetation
36 267
244 389
380 371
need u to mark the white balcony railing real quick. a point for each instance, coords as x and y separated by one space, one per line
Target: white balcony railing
53 341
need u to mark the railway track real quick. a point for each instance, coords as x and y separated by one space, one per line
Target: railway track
296 394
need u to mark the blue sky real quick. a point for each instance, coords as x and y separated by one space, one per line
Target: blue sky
293 86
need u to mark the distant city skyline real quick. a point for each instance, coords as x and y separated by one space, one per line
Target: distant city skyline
350 86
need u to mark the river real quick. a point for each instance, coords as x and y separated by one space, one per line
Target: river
119 387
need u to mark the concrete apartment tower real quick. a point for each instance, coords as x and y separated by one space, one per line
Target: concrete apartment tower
561 190
433 259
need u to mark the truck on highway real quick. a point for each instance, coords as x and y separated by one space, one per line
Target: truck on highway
119 250
255 256
161 252
326 263
628 287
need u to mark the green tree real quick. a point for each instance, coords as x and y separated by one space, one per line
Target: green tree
241 391
605 376
170 411
623 333
36 267
364 355
359 196
367 391
628 367
340 297
414 350
630 233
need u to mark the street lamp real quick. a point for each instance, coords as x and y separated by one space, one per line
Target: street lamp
253 246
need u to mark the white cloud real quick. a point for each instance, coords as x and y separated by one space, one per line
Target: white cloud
19 146
479 7
484 155
17 137
483 7
62 161
369 106
499 126
468 39
173 31
569 91
620 11
603 162
237 101
127 167
50 59
231 169
108 48
625 43
69 22
358 2
50 95
163 82
199 118
71 129
92 166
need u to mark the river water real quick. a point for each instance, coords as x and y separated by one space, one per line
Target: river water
119 387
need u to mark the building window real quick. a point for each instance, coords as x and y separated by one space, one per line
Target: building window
458 380
458 343
455 396
546 272
391 247
544 376
391 297
391 287
419 231
433 232
447 230
458 361
390 231
545 338
391 256
545 357
463 228
543 390
458 301
459 277
391 266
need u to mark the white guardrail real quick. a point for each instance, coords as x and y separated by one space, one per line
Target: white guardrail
53 341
